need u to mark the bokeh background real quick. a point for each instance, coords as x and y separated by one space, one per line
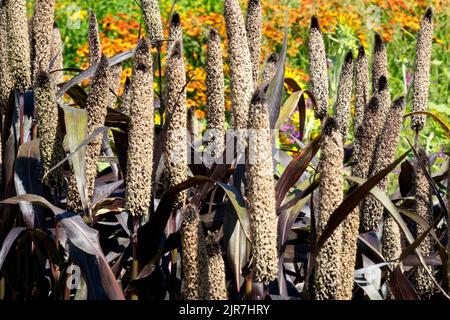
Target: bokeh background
345 24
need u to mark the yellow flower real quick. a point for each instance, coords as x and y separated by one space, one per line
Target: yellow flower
78 15
157 118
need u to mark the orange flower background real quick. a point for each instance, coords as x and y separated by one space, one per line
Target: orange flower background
345 25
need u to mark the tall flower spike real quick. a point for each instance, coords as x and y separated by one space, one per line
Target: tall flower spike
140 136
51 141
421 80
116 76
56 55
372 209
96 106
152 20
175 31
217 286
331 189
175 150
43 20
366 138
30 37
254 26
73 196
318 69
18 43
424 208
361 86
391 248
240 64
350 233
125 105
384 155
194 257
95 48
384 97
6 81
270 68
344 95
261 192
215 96
379 62
364 145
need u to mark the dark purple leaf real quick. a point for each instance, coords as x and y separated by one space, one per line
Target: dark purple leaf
83 237
78 95
28 180
295 169
121 146
400 286
105 190
90 72
8 242
405 178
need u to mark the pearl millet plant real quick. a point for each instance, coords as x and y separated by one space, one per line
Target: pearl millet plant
140 137
18 44
254 26
327 279
421 80
261 192
318 69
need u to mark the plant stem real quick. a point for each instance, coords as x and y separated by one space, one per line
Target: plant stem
135 266
161 97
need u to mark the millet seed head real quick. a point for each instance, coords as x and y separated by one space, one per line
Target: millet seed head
361 86
74 203
344 95
175 149
114 86
261 192
56 56
6 81
125 98
350 233
421 79
194 257
140 137
350 226
379 61
384 97
424 208
18 43
43 20
391 239
217 286
241 75
152 19
366 137
318 69
51 138
327 281
254 26
384 155
95 48
96 106
270 68
215 92
175 31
